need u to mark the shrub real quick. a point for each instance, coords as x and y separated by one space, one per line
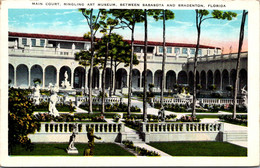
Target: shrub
21 121
189 119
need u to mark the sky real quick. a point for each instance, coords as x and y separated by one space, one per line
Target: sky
182 29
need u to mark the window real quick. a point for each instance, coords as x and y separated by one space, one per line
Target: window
177 50
192 51
160 49
42 42
169 50
24 41
184 50
200 52
33 42
137 49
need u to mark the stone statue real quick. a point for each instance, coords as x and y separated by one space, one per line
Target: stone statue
71 148
245 96
161 115
37 95
15 44
188 52
53 101
91 144
65 84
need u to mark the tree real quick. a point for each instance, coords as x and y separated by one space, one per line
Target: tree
156 14
241 38
93 23
21 121
84 57
129 18
200 18
107 27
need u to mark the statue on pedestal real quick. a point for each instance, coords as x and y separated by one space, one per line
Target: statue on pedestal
161 115
71 148
91 144
65 84
36 95
53 101
245 96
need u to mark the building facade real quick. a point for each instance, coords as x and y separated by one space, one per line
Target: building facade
48 57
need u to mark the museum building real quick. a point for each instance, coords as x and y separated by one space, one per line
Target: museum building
47 57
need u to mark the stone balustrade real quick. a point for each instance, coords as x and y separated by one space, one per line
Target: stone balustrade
108 100
166 132
62 127
219 101
201 100
79 99
173 101
182 127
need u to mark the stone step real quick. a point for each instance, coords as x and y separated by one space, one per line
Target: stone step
236 136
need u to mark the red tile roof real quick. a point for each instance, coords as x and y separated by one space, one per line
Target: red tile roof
76 38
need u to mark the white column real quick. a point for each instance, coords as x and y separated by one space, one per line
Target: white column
29 76
43 78
127 80
15 77
100 79
72 79
86 79
57 77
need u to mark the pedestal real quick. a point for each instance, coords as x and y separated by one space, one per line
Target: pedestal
73 151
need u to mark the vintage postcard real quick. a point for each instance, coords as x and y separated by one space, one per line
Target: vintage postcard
129 83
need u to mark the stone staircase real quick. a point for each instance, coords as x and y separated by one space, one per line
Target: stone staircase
237 135
134 137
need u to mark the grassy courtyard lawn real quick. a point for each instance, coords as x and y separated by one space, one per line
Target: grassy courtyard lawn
200 148
59 149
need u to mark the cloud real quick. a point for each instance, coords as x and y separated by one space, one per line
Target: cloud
65 13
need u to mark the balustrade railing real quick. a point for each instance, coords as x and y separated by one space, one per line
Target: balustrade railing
60 127
181 127
79 99
201 100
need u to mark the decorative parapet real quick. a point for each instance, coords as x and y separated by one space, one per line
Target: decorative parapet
182 127
66 127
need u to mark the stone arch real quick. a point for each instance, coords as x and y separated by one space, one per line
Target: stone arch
170 79
36 73
182 77
242 79
149 77
79 77
203 80
50 75
136 78
217 79
22 76
233 77
210 77
121 78
109 73
158 79
197 78
95 79
225 79
191 80
11 74
62 72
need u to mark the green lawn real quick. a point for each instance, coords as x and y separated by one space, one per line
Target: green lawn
101 149
200 148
